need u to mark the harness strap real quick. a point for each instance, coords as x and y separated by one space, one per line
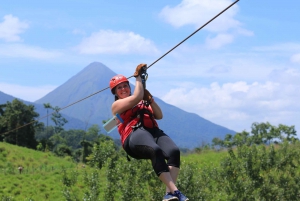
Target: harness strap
140 114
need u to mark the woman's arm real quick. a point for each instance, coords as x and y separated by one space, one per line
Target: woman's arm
124 104
157 113
156 110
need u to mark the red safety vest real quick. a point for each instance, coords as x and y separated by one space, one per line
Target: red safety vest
132 118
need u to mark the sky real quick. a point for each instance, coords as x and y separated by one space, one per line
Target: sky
241 68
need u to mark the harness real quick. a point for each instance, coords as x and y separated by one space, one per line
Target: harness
140 114
141 108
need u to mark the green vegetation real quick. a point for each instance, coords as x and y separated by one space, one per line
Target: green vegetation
17 114
40 178
244 173
86 165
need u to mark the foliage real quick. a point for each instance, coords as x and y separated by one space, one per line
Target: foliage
40 178
58 120
261 133
247 170
112 179
79 142
258 173
14 118
49 136
101 152
63 150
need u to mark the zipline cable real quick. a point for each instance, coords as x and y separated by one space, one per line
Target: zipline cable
130 76
191 35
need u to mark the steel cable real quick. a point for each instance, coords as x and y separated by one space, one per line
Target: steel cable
130 76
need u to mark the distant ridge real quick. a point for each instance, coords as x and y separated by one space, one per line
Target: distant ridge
188 130
5 97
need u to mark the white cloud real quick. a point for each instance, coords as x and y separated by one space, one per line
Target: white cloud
237 105
26 93
111 42
197 13
286 76
24 51
281 47
244 32
219 69
11 27
78 32
219 41
296 58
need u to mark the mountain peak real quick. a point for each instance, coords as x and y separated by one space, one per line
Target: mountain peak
95 69
92 78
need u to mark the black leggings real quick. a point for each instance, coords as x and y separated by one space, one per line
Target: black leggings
153 144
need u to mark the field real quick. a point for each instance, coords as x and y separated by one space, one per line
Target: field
41 178
256 172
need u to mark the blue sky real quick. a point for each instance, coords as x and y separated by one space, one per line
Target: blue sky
243 67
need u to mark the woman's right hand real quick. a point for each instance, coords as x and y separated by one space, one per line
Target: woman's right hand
139 69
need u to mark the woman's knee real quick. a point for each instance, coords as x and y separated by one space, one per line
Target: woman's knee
174 152
174 157
158 162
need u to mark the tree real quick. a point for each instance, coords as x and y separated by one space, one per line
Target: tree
86 145
47 106
261 132
2 128
58 120
102 150
56 139
287 132
18 119
63 150
91 135
242 138
228 140
217 142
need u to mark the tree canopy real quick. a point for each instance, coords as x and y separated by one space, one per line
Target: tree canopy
13 118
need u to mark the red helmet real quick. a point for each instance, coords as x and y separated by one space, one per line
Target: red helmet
115 80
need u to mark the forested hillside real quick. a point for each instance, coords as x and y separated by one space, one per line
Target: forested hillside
237 168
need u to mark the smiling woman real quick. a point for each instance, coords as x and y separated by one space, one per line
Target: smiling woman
140 135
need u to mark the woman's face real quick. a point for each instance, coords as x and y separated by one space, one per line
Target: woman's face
123 90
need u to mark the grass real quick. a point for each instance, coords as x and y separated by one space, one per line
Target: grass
41 178
206 158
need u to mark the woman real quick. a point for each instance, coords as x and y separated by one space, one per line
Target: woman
140 135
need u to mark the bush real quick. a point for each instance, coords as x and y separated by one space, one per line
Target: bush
247 173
